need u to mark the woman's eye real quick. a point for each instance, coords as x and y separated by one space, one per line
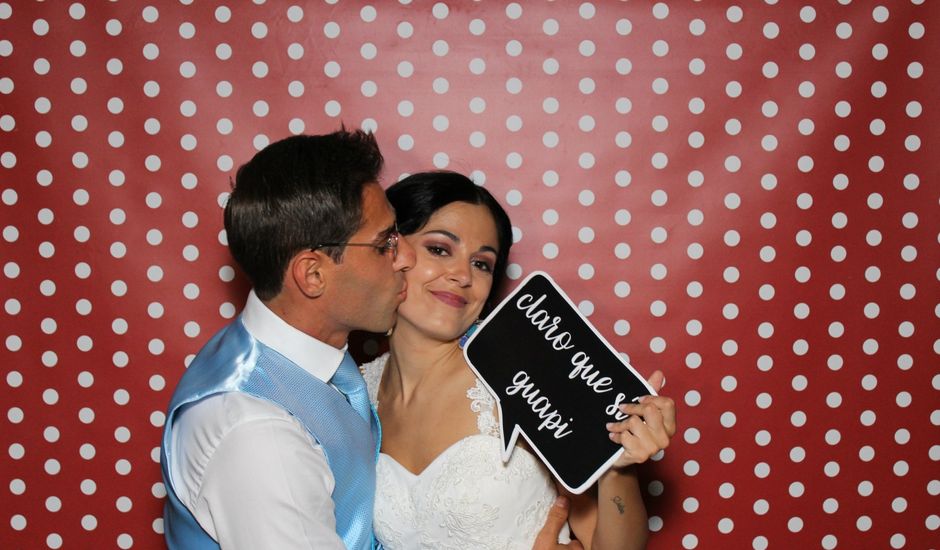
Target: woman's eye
483 266
437 250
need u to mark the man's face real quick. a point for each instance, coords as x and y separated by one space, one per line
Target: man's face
369 284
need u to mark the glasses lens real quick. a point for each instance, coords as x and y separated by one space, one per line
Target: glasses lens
393 245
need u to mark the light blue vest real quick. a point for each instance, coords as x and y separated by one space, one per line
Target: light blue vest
234 361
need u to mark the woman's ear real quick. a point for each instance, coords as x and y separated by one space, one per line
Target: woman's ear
308 271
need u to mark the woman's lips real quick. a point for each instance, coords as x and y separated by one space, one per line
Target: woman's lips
450 298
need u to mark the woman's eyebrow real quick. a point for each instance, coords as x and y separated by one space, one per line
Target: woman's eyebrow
444 232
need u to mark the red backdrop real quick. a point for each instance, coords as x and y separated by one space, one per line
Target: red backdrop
743 195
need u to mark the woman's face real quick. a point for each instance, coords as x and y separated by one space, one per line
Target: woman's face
453 273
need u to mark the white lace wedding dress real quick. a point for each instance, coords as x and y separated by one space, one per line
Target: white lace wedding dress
467 498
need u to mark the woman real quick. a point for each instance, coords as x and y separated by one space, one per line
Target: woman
441 482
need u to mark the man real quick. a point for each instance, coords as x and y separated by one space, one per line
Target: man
269 440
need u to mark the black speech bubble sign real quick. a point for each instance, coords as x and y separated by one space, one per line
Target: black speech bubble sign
556 380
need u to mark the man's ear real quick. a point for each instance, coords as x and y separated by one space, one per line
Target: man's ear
309 271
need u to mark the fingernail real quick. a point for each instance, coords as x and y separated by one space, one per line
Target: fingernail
612 436
561 501
664 383
610 425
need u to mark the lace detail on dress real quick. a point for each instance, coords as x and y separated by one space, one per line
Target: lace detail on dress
372 372
482 403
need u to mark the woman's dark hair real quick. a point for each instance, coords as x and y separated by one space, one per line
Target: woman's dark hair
417 197
294 194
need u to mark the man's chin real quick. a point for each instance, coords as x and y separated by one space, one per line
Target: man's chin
387 325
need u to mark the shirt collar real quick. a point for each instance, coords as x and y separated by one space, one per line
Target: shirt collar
316 357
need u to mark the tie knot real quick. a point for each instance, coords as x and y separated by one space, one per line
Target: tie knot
349 381
347 378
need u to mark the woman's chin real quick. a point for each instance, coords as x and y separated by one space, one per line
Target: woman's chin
441 330
449 333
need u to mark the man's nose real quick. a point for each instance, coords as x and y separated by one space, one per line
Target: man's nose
405 259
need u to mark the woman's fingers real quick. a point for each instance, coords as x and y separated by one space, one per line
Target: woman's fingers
657 380
646 431
665 405
668 409
646 417
637 448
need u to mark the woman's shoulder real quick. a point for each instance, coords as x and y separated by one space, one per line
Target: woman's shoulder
372 372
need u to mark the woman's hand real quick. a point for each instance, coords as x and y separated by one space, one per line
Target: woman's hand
652 422
548 536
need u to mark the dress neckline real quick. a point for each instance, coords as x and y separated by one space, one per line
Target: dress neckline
439 458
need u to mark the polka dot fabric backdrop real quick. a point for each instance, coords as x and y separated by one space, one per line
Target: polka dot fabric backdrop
741 194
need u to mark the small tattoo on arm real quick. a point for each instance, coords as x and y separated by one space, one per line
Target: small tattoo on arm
619 502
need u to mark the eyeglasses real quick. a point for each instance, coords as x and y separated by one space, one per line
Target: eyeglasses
390 244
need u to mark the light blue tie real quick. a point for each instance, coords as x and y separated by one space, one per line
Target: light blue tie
349 380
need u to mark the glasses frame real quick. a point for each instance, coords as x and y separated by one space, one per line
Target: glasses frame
390 244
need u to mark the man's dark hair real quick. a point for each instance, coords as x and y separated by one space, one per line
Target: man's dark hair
417 197
294 194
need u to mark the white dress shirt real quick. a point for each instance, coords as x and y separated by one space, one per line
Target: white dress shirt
248 470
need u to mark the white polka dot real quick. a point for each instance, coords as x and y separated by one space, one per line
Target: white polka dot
658 235
439 123
764 400
477 66
191 291
586 235
795 524
933 522
46 250
622 289
550 139
728 419
903 399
